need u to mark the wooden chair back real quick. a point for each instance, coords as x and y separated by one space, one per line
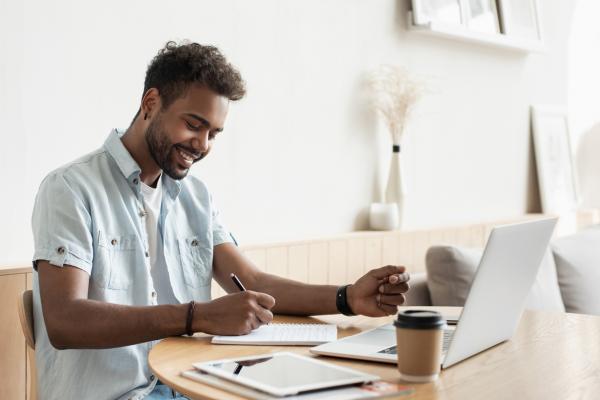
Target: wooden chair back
25 308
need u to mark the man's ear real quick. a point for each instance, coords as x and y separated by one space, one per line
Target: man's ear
150 103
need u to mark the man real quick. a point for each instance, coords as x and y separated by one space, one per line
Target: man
126 245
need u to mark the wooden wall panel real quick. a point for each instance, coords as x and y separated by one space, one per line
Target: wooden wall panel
258 257
449 236
318 263
422 243
477 236
29 375
338 262
356 259
373 253
12 344
277 261
406 246
390 252
345 258
298 262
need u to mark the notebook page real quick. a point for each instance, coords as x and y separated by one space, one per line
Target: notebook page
284 335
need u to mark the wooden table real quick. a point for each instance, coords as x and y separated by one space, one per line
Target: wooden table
551 356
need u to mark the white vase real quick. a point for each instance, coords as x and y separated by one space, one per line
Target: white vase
383 216
395 189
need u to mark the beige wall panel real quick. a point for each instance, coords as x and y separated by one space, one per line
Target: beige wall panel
487 229
277 262
406 246
29 376
436 238
449 236
373 253
317 263
258 257
12 342
464 236
421 246
338 262
390 251
298 262
477 235
356 259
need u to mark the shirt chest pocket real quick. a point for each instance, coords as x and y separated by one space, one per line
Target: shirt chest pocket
115 261
196 261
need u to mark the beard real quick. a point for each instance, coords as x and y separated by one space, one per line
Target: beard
162 150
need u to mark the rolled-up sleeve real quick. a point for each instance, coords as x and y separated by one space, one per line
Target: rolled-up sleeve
61 225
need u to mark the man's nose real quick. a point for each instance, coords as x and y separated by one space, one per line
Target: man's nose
201 141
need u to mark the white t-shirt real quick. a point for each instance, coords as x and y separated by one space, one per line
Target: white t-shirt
158 267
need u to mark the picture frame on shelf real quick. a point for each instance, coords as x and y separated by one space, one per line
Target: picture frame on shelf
437 11
482 16
553 158
520 19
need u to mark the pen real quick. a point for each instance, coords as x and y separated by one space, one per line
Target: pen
237 282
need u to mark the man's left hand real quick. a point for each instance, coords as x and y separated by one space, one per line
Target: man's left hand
379 292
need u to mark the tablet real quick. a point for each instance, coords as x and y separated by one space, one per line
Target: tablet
283 373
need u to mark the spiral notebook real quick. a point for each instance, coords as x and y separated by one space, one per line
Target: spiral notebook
284 335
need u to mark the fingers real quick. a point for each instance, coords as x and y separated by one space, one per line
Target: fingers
253 323
388 309
395 288
384 272
264 316
265 300
390 300
396 278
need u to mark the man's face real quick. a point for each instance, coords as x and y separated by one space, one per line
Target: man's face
184 133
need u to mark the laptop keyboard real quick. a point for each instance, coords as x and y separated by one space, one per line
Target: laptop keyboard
447 337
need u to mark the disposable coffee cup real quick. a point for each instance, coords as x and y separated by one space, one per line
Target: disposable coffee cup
419 339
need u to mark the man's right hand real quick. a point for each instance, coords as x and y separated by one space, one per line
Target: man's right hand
234 314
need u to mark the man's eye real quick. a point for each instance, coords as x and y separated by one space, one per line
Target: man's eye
192 127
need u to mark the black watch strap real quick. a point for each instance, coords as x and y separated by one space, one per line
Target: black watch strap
341 301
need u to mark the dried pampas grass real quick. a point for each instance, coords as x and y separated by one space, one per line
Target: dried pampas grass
394 92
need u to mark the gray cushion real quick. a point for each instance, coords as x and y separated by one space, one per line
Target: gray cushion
451 269
418 294
577 260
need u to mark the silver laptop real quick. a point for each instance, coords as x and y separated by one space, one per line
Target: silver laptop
492 311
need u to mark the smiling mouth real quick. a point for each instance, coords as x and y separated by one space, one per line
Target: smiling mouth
186 157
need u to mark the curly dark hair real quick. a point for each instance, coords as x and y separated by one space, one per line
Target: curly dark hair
177 66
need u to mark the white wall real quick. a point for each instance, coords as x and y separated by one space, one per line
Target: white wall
298 157
584 67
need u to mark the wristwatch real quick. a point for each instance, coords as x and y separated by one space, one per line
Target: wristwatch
341 301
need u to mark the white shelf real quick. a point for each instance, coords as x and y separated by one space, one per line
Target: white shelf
462 33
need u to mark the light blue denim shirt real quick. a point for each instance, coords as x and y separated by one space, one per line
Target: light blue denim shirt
90 214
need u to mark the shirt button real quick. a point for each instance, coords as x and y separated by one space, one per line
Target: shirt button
194 242
151 377
153 294
61 250
147 254
142 213
135 181
114 242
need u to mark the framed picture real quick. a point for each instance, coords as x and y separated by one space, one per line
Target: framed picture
445 11
520 19
553 159
482 16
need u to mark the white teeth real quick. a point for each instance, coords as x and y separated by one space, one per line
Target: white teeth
186 156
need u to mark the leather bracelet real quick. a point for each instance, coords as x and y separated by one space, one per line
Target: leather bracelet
190 318
341 301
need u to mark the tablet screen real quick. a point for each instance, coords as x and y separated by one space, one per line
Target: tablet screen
284 373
